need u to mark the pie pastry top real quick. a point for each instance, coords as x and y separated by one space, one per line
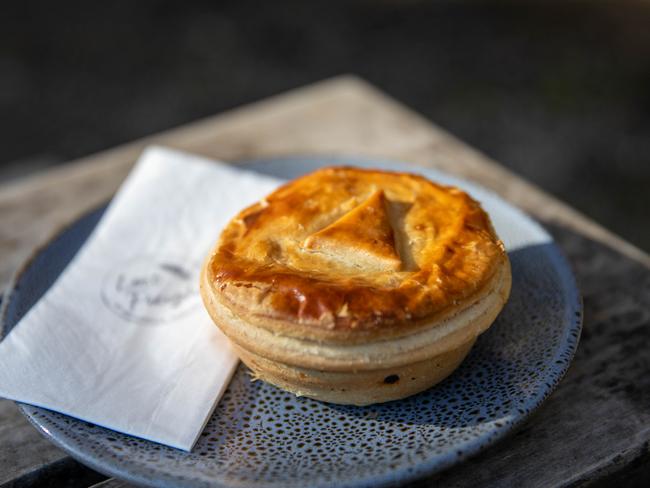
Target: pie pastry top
346 255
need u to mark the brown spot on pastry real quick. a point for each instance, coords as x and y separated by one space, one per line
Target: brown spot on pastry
391 379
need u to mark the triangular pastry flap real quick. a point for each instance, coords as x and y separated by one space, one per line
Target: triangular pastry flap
361 239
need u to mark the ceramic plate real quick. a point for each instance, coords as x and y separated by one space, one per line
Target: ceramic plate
262 436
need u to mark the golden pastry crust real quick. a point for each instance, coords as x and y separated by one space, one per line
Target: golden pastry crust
347 255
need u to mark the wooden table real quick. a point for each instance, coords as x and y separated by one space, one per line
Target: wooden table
596 426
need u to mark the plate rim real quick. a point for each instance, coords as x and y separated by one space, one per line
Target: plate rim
403 473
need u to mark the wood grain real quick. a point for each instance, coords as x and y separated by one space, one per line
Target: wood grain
22 449
342 116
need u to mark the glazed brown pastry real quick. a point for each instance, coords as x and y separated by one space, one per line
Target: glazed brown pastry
355 286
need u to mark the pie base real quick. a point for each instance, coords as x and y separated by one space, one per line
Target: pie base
376 372
359 388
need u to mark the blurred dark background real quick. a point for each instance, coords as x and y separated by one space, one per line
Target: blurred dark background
557 92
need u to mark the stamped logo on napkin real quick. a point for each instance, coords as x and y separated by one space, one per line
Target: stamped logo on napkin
146 290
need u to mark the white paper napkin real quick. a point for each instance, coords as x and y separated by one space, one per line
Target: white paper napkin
121 339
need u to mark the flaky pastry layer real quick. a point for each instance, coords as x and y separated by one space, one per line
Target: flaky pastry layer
433 340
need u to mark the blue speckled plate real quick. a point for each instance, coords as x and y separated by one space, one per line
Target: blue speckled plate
262 436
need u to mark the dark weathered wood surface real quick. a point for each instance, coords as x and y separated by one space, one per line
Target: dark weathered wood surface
18 437
596 423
